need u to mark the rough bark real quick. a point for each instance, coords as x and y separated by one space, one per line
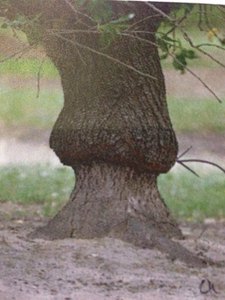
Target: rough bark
105 198
115 131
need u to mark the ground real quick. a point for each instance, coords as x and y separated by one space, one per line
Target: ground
102 268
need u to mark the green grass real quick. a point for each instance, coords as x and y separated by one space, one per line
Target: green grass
21 107
27 67
192 198
188 197
44 185
198 116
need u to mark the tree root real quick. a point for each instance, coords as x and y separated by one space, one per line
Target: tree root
139 234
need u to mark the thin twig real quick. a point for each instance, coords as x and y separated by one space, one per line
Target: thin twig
74 31
39 78
204 162
200 18
79 12
188 39
186 68
186 36
197 77
21 52
210 45
141 21
186 167
185 152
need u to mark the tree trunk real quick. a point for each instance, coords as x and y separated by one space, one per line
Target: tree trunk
114 129
115 132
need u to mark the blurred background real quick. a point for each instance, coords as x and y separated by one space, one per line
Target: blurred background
32 180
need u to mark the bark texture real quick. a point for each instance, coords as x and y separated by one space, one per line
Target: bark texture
105 199
115 131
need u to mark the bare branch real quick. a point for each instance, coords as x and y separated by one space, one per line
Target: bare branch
39 78
77 12
20 52
198 78
210 45
202 161
188 39
186 36
174 57
186 167
185 152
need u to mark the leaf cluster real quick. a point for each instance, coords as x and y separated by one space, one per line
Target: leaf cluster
174 47
111 30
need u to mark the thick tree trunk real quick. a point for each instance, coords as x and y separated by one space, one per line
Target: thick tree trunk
106 199
114 129
115 132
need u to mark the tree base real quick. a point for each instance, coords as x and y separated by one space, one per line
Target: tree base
117 202
105 197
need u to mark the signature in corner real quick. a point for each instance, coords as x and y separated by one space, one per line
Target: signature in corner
206 286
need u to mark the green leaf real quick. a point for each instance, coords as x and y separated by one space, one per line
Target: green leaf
110 31
164 56
190 54
163 45
179 62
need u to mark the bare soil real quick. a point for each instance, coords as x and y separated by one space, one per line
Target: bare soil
103 268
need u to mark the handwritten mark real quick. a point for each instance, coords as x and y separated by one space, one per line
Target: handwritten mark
206 286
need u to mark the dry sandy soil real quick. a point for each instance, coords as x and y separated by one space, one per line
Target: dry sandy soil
102 268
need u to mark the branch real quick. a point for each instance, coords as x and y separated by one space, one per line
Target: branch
186 36
183 161
39 78
188 39
174 57
202 161
197 77
77 12
186 167
20 52
210 45
185 152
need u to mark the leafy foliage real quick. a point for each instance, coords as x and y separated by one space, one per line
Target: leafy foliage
168 45
110 28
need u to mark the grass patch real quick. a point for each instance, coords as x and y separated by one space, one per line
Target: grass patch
45 185
191 198
191 115
27 67
21 107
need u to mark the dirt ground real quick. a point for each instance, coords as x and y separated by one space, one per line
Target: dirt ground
102 268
